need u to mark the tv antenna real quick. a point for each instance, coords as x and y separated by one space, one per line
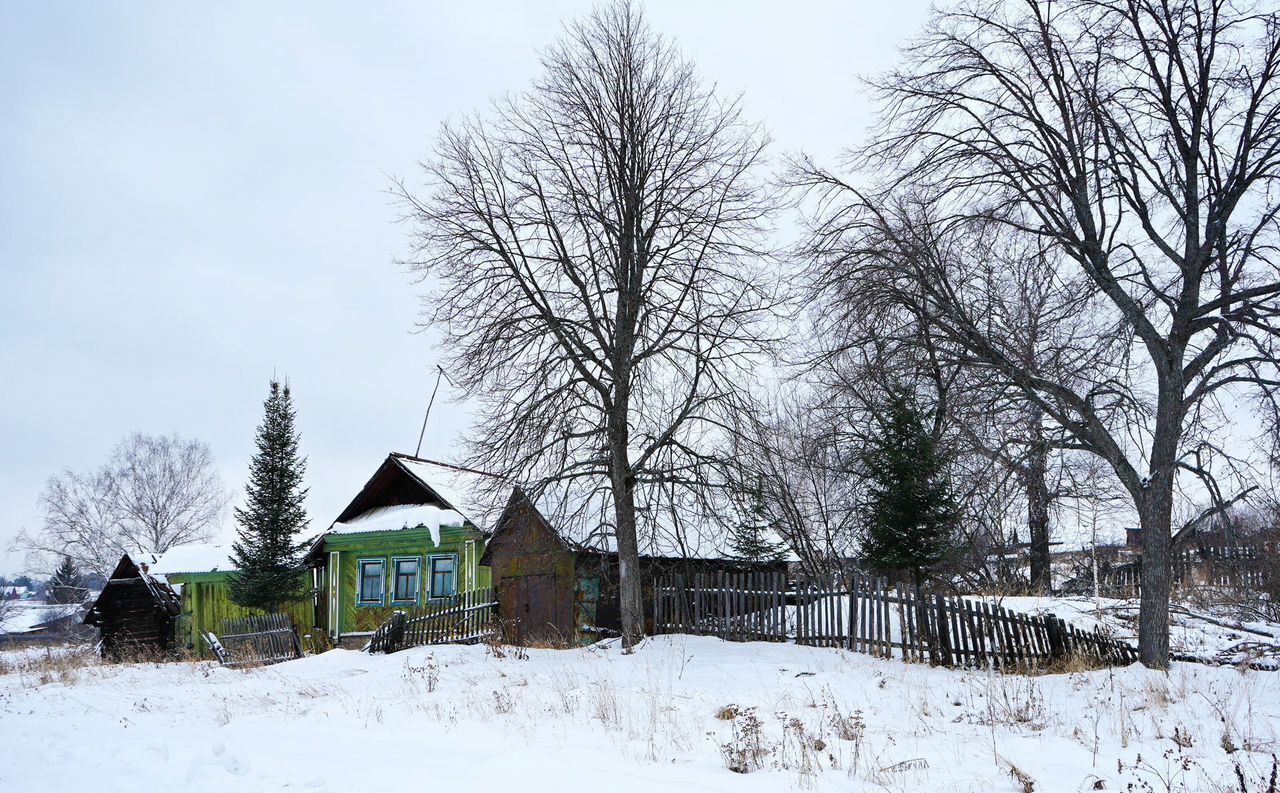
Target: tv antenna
430 402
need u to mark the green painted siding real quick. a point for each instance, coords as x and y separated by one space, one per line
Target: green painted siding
467 544
206 602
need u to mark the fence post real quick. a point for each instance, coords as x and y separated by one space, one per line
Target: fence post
1057 644
944 640
396 637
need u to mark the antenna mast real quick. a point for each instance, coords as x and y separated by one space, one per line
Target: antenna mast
430 402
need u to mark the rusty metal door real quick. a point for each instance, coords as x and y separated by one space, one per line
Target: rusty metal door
530 606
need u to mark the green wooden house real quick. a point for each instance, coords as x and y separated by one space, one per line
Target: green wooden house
201 575
412 536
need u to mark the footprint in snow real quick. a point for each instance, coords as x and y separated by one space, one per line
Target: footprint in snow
230 762
158 750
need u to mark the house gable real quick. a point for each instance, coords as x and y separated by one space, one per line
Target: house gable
391 485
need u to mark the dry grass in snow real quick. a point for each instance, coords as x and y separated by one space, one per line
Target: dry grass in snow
684 713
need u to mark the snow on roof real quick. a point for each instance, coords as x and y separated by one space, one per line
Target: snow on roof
477 496
194 559
404 516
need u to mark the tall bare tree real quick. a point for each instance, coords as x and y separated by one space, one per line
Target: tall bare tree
1125 154
864 341
155 492
595 248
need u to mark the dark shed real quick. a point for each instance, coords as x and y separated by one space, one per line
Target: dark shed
135 613
554 589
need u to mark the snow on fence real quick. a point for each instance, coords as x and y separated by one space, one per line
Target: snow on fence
865 614
260 640
468 617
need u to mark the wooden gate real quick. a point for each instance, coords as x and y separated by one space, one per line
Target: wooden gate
253 641
532 609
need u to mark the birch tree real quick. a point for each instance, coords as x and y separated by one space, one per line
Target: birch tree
154 493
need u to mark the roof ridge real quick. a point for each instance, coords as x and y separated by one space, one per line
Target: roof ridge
463 468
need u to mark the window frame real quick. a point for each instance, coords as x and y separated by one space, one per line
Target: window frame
382 588
431 576
395 574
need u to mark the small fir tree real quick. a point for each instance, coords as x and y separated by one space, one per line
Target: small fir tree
750 539
66 585
909 515
267 553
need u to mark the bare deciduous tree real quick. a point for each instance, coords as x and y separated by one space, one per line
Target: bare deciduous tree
791 457
864 340
153 494
1137 144
168 491
81 520
595 248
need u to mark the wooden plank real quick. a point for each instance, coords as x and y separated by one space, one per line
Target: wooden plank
882 606
868 627
975 628
851 626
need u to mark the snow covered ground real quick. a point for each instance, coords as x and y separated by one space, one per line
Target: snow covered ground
21 616
675 716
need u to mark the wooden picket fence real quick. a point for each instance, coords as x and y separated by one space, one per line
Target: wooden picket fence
1224 567
254 641
467 617
865 614
739 607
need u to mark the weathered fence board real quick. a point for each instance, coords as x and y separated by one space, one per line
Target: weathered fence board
467 617
257 640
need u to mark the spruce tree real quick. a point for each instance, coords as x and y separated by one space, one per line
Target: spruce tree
749 539
66 585
909 515
268 555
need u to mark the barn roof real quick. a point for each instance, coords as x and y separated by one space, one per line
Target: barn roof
211 558
127 572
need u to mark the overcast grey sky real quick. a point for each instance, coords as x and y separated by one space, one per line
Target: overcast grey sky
193 197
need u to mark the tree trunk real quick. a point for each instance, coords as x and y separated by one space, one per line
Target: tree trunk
1038 512
621 480
1155 515
629 589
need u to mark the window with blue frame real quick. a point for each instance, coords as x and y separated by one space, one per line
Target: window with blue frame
371 575
444 576
404 580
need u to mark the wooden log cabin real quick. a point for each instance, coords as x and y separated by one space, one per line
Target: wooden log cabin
135 613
